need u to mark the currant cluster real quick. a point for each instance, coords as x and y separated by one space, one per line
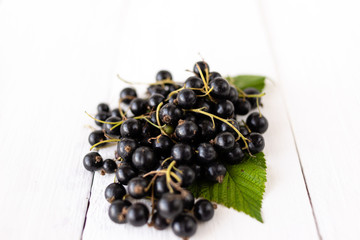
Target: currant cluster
178 134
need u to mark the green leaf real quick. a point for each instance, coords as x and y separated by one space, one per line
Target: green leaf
245 81
242 189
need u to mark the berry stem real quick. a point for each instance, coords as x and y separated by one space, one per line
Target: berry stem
158 118
165 160
206 86
168 176
100 120
105 141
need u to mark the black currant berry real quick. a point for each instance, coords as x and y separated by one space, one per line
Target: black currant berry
257 123
204 67
207 130
170 114
242 106
125 173
215 172
102 116
160 186
155 100
97 136
233 94
220 88
224 141
205 154
118 210
131 128
115 191
126 147
214 75
224 127
103 107
136 187
115 113
234 155
189 116
203 210
186 131
194 82
162 145
108 126
109 166
173 98
144 159
138 106
184 226
92 161
181 153
170 88
170 205
159 222
224 108
163 75
252 100
205 105
188 199
156 89
186 98
127 94
256 142
137 214
187 175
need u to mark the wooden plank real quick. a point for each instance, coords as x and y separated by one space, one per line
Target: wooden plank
51 70
316 45
162 34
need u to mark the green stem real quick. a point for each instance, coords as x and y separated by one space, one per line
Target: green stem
105 141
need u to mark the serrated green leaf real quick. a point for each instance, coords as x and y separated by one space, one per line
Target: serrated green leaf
245 81
242 188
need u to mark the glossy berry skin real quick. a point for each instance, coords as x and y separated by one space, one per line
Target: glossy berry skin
136 187
257 142
186 131
224 109
162 145
138 106
155 100
181 153
205 106
96 136
102 116
186 98
189 116
125 173
103 107
143 159
159 222
215 172
156 89
257 123
163 75
184 226
117 211
244 131
242 106
126 147
194 82
115 113
205 154
214 75
187 176
127 94
131 128
252 100
160 186
137 215
170 205
114 191
188 200
220 87
203 210
173 98
234 155
170 114
109 166
108 126
92 161
223 127
203 67
207 130
233 94
170 88
224 141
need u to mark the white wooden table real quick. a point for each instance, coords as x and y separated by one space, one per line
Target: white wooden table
60 58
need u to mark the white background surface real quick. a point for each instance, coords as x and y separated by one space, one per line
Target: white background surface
60 58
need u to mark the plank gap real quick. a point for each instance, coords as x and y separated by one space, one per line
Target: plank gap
88 206
277 72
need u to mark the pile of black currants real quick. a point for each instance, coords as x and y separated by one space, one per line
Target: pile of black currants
178 134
